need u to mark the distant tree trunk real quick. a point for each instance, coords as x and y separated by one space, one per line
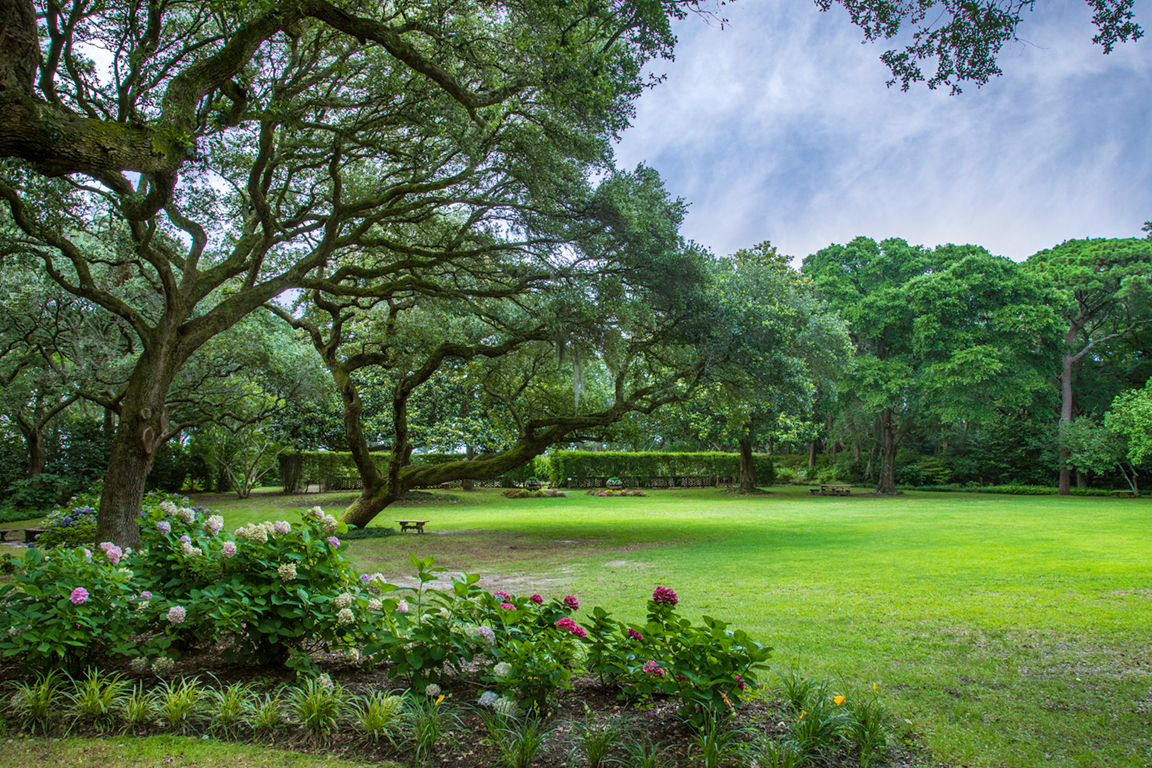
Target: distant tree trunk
34 445
1081 479
747 470
812 455
890 437
468 484
1066 415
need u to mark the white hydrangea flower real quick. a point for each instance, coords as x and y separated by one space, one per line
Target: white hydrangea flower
330 525
325 681
125 571
488 699
287 572
343 600
402 606
187 514
167 507
345 616
187 548
502 669
214 524
352 654
12 631
139 665
163 666
281 527
375 605
506 706
315 512
432 690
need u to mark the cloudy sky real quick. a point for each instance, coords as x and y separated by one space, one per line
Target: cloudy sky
779 127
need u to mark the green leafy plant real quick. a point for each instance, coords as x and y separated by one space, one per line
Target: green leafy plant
427 720
597 740
378 715
231 708
97 698
870 728
718 742
36 702
138 707
179 703
642 753
267 713
318 705
518 740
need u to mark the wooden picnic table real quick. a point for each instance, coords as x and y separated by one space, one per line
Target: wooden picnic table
412 525
835 489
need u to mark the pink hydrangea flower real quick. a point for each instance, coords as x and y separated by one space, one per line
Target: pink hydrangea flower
113 552
635 635
653 669
571 603
282 527
145 595
335 542
229 549
503 594
186 539
164 527
176 614
571 626
665 595
507 606
537 599
740 683
79 596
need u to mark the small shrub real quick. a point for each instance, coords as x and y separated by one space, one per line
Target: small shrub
36 702
379 715
597 740
427 722
138 707
318 705
231 708
267 713
98 698
518 740
178 704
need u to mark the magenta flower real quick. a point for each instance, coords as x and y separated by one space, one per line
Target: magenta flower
571 603
145 595
503 594
635 635
537 599
186 539
571 626
335 542
665 595
79 596
740 682
507 606
653 669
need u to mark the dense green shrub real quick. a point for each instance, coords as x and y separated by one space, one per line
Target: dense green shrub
1018 490
333 467
640 467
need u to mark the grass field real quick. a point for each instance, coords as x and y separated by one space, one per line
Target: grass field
1008 630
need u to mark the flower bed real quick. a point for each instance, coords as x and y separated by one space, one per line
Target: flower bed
610 492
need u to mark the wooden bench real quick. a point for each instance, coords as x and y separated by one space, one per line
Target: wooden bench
30 534
412 525
1123 494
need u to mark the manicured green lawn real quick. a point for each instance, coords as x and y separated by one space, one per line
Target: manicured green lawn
1010 630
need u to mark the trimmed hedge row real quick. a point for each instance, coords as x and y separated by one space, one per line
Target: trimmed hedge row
1018 490
335 470
562 465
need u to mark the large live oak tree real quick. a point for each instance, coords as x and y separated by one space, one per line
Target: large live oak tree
224 150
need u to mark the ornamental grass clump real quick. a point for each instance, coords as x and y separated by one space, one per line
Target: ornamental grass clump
230 708
98 699
318 705
35 703
380 715
178 704
517 740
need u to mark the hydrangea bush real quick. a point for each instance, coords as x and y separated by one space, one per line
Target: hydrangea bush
278 591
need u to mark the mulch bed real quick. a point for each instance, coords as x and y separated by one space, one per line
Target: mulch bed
465 744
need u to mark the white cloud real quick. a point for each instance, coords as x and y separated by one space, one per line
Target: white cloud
780 127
